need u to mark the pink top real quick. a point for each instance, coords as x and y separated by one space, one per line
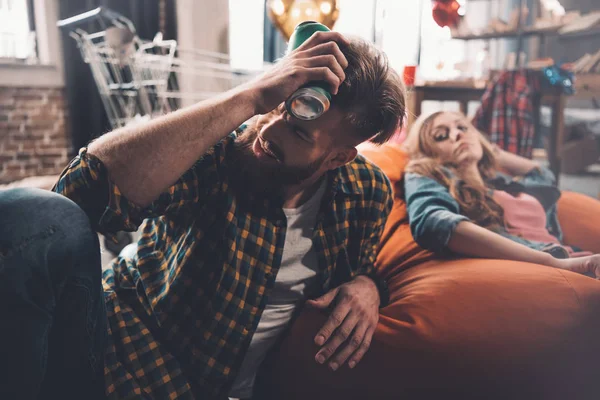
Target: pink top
525 217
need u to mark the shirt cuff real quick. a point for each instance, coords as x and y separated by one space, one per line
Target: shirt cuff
443 228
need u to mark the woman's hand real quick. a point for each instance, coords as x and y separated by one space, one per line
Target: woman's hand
582 265
511 163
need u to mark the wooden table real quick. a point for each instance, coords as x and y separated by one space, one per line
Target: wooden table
464 94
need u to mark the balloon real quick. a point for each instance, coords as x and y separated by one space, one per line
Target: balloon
445 12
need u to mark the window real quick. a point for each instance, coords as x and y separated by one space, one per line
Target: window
398 31
445 58
405 30
357 18
17 32
246 30
409 35
30 51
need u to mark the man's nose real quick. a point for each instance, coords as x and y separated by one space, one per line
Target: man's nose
274 129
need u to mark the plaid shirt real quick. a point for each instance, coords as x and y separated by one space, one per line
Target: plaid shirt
507 111
182 311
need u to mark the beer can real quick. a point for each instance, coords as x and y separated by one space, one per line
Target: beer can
312 100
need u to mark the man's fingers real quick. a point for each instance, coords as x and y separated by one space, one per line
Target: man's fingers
362 349
328 61
350 346
324 301
329 48
320 59
336 318
342 333
323 37
326 75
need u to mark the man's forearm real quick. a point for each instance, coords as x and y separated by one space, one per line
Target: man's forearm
144 160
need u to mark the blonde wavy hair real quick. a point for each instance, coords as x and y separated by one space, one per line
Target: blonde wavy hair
473 198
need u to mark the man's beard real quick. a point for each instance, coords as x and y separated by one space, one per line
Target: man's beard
261 177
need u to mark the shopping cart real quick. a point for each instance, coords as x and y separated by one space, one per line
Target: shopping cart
138 79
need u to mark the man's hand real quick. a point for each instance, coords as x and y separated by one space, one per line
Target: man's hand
318 59
351 323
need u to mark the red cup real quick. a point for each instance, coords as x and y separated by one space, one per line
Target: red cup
409 75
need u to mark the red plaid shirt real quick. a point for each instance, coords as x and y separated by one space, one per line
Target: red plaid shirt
507 109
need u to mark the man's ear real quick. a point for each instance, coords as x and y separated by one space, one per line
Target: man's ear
343 157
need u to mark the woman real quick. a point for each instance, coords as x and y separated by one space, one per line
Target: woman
459 203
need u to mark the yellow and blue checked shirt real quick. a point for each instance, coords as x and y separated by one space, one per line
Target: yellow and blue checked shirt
182 311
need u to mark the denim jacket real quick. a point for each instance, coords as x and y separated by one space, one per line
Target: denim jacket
434 214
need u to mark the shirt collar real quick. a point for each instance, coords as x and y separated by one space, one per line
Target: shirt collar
345 179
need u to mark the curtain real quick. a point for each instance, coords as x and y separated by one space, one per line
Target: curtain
87 118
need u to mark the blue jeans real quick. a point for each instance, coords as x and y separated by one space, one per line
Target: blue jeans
52 315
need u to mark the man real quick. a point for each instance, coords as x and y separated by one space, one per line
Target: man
243 228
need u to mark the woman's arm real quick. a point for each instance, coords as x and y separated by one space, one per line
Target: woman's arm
432 212
513 164
472 240
436 225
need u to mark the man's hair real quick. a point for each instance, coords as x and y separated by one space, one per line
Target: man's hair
372 95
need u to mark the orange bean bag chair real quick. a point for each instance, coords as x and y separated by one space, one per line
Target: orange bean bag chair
465 328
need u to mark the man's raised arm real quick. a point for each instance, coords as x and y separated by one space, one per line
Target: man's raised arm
144 160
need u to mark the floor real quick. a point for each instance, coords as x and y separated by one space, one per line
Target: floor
587 182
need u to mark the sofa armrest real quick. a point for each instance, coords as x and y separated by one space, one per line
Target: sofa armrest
579 217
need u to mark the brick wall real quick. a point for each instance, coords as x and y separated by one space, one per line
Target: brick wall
33 132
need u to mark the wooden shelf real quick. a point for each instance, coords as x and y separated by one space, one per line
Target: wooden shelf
509 35
580 34
532 32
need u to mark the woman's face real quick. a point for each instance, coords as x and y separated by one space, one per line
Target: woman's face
455 140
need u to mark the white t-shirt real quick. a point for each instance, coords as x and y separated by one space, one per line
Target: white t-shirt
295 280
